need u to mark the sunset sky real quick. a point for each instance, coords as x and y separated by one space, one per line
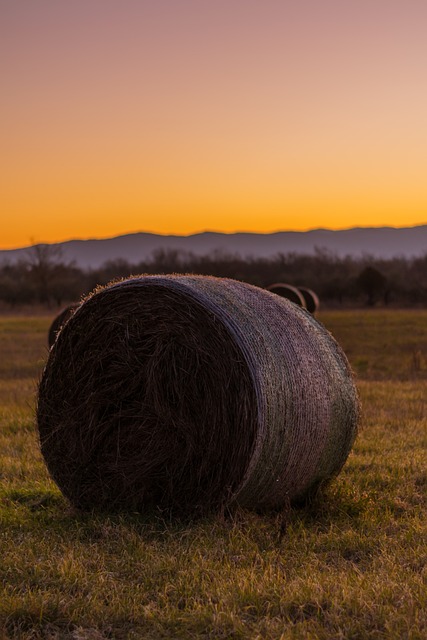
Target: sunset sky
179 116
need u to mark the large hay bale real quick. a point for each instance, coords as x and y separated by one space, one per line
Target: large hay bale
58 321
311 299
190 393
289 292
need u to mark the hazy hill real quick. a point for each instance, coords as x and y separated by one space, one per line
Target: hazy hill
382 242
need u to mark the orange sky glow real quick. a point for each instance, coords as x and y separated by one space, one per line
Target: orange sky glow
237 115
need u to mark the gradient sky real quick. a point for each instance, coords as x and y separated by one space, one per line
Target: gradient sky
181 116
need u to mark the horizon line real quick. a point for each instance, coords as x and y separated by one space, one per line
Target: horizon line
209 231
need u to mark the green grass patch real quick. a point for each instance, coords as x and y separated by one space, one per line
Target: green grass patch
353 564
382 344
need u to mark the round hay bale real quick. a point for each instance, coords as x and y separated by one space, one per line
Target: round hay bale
289 292
311 299
58 321
190 393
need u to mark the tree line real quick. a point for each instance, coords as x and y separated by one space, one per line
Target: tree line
43 277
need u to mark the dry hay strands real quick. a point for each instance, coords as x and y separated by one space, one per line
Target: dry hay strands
58 321
189 393
311 299
289 292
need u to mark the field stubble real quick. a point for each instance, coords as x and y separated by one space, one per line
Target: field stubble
353 564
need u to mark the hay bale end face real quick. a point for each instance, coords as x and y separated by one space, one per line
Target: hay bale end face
58 321
311 299
289 292
190 393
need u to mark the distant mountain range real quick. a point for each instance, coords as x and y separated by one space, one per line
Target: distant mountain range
382 242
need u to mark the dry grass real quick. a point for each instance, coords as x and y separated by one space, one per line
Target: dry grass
353 565
381 344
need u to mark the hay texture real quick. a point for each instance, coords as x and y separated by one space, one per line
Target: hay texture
311 299
58 321
190 393
289 292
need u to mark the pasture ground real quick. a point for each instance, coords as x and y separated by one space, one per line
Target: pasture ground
352 565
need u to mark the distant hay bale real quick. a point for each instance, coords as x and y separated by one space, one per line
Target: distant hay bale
289 292
58 321
189 393
311 299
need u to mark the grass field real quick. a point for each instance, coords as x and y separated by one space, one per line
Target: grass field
352 565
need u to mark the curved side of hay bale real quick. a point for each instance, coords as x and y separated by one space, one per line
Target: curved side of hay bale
191 392
58 321
311 299
289 292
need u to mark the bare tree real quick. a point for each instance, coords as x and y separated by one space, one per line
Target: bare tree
43 261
